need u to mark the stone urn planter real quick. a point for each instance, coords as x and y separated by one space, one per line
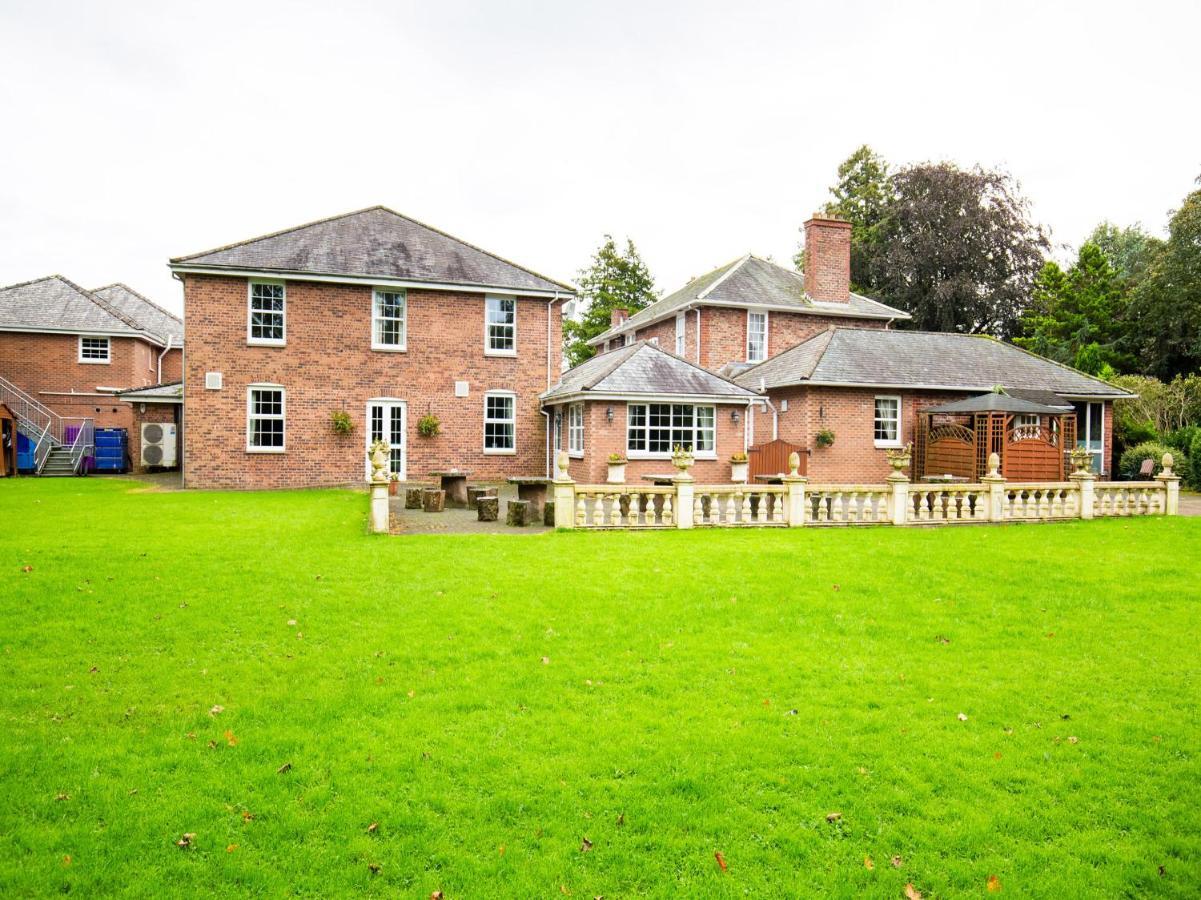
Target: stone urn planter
617 470
682 459
900 458
739 465
1082 459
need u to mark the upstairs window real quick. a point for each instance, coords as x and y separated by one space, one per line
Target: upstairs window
500 326
500 423
94 350
575 428
388 313
265 419
887 425
266 314
680 334
756 337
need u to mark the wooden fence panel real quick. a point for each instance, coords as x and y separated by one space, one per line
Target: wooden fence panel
772 458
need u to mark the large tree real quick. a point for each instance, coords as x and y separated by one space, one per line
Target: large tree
613 280
957 249
1129 250
1076 317
1165 313
861 197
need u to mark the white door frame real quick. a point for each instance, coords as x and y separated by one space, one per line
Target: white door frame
388 403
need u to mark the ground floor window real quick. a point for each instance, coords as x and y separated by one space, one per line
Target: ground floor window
655 429
575 428
265 418
887 423
500 423
1090 430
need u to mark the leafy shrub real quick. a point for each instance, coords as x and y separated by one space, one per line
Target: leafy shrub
1194 460
1185 443
1132 458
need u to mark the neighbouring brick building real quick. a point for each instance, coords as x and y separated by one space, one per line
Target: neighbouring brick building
71 349
376 316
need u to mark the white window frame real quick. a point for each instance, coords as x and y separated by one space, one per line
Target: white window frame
756 312
96 361
500 451
261 341
489 300
896 442
250 417
376 319
646 429
575 430
388 403
681 339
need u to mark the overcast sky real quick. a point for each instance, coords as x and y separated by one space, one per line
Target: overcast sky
137 132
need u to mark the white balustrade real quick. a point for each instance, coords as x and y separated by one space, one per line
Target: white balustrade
738 505
851 504
1130 498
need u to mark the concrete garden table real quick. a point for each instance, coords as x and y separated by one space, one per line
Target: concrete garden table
532 488
454 482
660 479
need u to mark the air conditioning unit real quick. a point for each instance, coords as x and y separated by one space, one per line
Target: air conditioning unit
158 444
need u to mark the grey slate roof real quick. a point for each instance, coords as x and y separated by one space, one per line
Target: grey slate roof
55 303
168 392
997 401
751 281
373 243
148 314
871 356
643 369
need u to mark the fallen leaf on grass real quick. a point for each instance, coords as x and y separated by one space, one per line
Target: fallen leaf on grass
374 867
230 739
867 863
943 640
962 717
564 890
721 860
291 623
1162 870
997 755
231 848
67 862
994 884
286 767
63 796
621 819
185 842
1073 740
833 817
247 815
585 846
217 710
546 660
373 828
501 850
896 862
436 895
912 893
26 568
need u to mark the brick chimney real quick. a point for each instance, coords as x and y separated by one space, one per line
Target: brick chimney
619 315
828 260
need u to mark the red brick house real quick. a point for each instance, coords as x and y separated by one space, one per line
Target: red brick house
372 315
65 351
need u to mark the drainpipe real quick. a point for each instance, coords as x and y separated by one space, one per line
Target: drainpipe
160 359
698 335
549 356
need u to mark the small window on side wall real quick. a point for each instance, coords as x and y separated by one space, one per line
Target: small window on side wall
94 350
500 326
500 423
575 429
887 424
756 337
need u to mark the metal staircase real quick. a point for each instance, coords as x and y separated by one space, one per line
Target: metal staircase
60 442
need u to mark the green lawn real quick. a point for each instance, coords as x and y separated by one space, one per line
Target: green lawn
490 702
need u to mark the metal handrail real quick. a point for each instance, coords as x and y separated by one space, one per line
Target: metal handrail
46 427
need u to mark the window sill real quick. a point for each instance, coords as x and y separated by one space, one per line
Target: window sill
389 348
575 454
509 353
268 450
95 362
260 342
634 454
494 452
887 445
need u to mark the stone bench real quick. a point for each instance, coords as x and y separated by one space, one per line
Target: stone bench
474 494
433 500
517 513
487 507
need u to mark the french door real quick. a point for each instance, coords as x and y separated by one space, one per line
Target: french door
386 421
1090 431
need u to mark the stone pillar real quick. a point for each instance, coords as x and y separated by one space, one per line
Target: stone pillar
794 495
995 482
898 501
1084 483
685 486
1171 483
563 490
379 507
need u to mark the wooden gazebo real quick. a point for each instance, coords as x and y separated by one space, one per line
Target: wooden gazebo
8 442
1031 439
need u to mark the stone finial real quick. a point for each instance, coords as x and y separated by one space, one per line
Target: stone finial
994 465
1168 462
794 463
562 461
379 461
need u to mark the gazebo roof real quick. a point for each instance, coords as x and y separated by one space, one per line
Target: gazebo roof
997 401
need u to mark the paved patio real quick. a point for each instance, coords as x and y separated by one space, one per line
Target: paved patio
1190 504
455 521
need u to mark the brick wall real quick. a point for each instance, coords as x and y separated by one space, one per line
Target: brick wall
328 365
723 333
47 367
602 437
172 366
163 413
828 260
